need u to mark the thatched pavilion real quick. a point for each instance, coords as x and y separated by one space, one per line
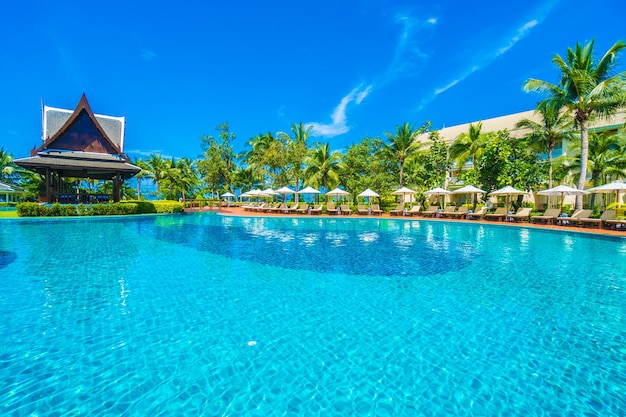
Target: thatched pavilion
80 144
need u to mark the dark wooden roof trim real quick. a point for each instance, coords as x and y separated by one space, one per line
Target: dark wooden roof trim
82 105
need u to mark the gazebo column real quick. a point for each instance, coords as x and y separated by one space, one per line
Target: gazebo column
116 187
49 181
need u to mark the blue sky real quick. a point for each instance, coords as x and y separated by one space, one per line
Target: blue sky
349 68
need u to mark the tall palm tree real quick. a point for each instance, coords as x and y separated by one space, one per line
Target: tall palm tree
144 173
403 144
323 167
554 128
587 88
468 146
297 151
157 166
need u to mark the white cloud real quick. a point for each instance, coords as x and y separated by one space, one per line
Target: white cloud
432 21
508 43
338 125
148 55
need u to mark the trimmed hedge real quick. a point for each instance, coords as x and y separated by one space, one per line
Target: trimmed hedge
109 209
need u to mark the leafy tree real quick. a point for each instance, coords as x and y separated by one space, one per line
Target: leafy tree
246 178
267 156
7 168
435 162
553 129
404 144
507 161
218 162
323 167
587 88
365 167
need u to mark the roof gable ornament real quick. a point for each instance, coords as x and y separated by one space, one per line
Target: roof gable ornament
81 132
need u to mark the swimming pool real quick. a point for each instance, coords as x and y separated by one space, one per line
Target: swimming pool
212 315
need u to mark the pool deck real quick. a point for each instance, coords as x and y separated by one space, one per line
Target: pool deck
238 211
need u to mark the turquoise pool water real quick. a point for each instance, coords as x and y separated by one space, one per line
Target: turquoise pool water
211 315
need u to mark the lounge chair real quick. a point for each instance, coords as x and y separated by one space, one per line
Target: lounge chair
573 219
362 209
398 211
292 208
414 210
460 212
477 215
330 208
450 210
345 209
615 224
277 209
548 217
430 211
304 207
522 214
607 215
317 209
260 207
375 208
497 215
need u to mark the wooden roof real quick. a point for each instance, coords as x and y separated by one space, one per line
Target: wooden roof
81 132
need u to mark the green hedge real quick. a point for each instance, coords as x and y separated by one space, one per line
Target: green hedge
109 209
9 204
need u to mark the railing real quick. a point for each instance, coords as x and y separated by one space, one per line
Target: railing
84 198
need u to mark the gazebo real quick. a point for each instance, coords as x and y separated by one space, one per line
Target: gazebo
80 144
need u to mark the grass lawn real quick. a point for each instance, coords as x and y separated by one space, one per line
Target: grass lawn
8 214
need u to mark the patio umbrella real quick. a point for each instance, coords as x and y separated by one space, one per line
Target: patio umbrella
507 191
439 191
562 190
368 194
284 191
615 186
337 192
403 192
308 190
470 189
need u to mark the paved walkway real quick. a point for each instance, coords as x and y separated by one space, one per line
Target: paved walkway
238 211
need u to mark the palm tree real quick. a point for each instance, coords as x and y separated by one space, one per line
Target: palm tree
404 144
6 164
554 128
144 173
157 166
586 89
297 151
323 167
468 146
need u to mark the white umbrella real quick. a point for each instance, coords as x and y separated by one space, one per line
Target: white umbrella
507 191
284 191
337 191
269 191
562 190
615 186
308 190
368 194
439 191
469 189
403 192
228 195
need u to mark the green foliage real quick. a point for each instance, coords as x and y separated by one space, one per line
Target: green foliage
365 167
122 208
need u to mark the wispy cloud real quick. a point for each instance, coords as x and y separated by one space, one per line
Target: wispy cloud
407 58
146 154
408 53
148 55
494 53
339 125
